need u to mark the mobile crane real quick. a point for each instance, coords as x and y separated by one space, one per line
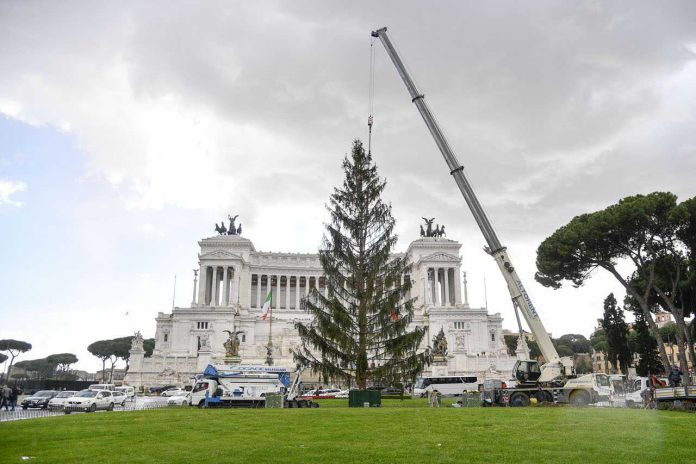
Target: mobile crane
555 368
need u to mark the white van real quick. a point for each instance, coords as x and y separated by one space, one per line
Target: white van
129 391
447 386
102 386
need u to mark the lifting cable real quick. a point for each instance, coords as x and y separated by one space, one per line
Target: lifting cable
371 96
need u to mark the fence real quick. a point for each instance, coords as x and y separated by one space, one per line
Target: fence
141 404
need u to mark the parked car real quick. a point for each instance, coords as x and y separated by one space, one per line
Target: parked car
89 401
161 389
119 397
180 400
174 392
129 391
58 402
342 394
39 399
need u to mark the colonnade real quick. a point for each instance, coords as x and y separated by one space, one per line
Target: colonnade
443 286
218 286
282 288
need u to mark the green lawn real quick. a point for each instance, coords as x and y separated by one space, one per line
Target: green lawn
397 433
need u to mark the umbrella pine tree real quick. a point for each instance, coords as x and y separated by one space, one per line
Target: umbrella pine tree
361 332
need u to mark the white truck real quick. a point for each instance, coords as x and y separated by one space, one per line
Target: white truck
547 381
241 386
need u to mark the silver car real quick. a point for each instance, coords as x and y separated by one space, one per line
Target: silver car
89 401
57 403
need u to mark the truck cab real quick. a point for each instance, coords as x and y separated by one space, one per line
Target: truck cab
598 386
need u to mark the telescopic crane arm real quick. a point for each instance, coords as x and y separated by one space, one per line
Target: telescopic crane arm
517 291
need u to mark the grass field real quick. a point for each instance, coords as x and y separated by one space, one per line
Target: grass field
399 432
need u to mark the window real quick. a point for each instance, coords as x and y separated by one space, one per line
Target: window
200 386
459 325
492 337
166 337
243 338
201 325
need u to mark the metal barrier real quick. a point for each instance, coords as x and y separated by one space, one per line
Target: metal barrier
141 404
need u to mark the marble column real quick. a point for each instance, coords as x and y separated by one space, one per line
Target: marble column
225 287
447 301
215 290
297 292
202 284
438 292
209 288
195 281
277 302
287 292
258 290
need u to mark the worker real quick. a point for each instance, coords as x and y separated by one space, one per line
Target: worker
674 376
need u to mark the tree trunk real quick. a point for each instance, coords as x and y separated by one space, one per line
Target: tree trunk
606 363
9 369
653 327
683 334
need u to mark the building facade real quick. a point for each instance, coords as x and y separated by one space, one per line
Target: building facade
231 285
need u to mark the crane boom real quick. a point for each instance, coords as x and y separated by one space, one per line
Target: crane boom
519 295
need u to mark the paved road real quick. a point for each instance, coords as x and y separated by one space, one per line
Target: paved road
139 404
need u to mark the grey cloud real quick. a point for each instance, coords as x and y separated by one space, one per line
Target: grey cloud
536 97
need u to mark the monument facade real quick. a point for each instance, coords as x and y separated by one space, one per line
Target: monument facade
233 280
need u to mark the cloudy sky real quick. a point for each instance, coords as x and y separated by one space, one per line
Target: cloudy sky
127 129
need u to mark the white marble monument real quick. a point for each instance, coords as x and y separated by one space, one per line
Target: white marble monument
233 280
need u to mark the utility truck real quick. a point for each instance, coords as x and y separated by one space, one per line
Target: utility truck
242 386
550 380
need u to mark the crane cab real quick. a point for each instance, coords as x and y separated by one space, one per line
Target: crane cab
526 372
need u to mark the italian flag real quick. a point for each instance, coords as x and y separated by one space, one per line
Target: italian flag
266 308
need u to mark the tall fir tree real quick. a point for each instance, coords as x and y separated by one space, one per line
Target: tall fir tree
646 347
361 331
616 332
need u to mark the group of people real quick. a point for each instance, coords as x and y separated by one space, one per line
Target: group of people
8 397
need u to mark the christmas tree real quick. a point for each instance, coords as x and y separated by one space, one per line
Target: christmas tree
361 332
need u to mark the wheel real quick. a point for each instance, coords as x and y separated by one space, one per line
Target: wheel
519 399
201 404
93 408
630 404
579 398
25 407
184 403
111 407
544 397
123 403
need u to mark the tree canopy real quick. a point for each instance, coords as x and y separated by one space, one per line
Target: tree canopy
62 361
104 351
14 348
360 331
643 230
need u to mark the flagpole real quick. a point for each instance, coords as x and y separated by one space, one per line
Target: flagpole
269 347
